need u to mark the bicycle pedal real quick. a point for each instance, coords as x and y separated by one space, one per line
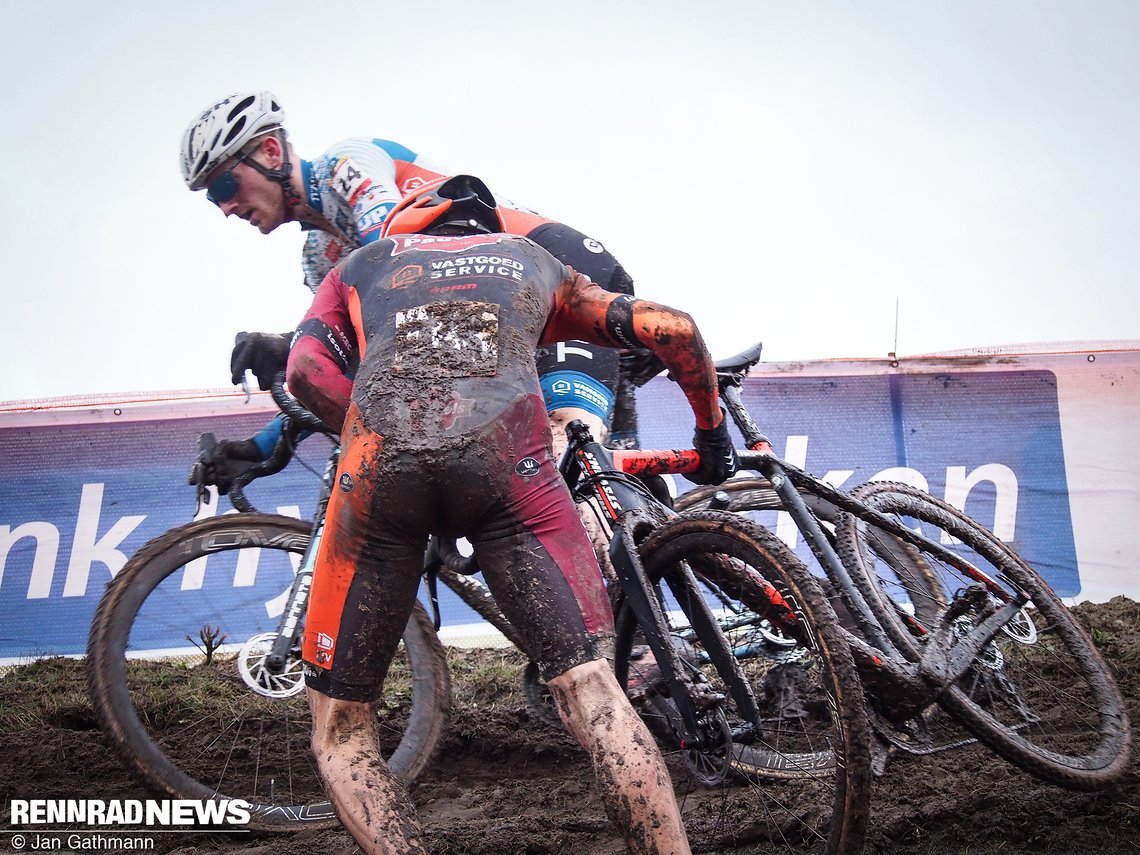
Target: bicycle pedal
881 753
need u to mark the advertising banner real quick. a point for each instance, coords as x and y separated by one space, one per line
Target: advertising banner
1038 447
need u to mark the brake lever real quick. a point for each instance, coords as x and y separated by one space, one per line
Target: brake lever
202 496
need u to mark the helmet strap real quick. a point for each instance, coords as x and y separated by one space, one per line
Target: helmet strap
282 175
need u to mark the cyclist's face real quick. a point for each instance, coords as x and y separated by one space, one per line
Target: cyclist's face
258 200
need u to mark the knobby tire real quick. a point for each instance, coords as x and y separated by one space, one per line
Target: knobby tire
808 770
166 696
1039 695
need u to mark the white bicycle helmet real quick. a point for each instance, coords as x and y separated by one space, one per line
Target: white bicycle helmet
223 129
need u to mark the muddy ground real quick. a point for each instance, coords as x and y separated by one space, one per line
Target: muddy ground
507 783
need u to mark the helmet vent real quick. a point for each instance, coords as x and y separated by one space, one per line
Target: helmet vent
242 105
235 131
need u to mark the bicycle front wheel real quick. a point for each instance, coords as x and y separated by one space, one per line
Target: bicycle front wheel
1038 694
174 642
805 758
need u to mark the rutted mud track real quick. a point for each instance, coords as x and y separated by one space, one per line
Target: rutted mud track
506 783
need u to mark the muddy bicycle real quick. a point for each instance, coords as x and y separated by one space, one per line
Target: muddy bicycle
712 696
731 653
955 636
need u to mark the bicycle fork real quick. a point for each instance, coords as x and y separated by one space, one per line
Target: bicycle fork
693 699
289 628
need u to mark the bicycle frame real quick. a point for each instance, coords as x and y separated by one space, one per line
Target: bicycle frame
907 687
632 511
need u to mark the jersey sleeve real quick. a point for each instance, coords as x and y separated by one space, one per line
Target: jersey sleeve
324 346
583 310
357 182
364 175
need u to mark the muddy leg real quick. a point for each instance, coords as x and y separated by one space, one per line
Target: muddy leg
370 802
635 784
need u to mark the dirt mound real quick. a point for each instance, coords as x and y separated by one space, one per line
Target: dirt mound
507 783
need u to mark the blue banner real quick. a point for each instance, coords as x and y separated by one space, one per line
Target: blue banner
76 500
988 443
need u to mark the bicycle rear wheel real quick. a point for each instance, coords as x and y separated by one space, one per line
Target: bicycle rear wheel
907 583
1039 694
805 763
168 644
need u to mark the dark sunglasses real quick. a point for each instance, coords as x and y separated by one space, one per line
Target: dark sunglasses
226 186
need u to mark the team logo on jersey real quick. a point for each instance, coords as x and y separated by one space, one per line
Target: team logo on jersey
406 275
372 219
441 243
325 645
346 482
413 183
528 467
593 246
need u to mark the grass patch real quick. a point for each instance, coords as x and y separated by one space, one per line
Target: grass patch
482 679
47 693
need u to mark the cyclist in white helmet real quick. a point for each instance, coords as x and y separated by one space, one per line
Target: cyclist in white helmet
238 151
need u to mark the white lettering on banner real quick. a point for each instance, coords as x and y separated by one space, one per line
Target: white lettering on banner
959 484
795 452
958 487
196 569
43 564
86 550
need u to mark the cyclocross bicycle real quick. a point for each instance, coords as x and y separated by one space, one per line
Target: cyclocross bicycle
946 613
713 695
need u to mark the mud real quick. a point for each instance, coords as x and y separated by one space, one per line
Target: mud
507 783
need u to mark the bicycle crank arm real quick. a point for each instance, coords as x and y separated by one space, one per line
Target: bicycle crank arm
897 687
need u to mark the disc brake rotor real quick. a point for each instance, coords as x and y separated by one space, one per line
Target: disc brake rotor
251 666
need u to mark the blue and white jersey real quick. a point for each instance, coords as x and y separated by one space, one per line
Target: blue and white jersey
353 186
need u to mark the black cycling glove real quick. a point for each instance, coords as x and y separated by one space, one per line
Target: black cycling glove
718 456
265 354
223 463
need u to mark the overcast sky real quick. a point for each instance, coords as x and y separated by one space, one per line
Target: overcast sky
784 171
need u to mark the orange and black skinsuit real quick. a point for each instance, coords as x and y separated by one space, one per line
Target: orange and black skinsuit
572 373
445 431
579 373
